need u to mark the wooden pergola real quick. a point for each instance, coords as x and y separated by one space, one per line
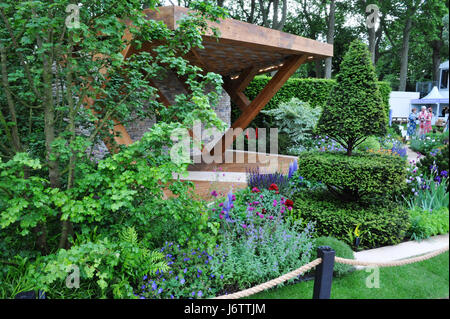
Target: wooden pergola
242 51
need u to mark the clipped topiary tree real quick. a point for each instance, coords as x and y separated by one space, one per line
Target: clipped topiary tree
355 108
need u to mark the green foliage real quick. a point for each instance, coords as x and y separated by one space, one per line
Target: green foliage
315 92
342 250
297 119
437 157
114 265
425 223
431 141
427 193
189 275
355 107
247 256
353 177
371 143
15 277
381 224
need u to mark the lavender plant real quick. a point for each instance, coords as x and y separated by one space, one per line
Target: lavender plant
263 180
248 255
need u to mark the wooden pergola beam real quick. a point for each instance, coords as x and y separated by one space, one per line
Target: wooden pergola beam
261 100
245 78
239 98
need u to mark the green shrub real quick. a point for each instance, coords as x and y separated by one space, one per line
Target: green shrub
371 143
428 223
342 250
430 142
437 157
298 120
380 224
353 177
112 268
354 110
313 91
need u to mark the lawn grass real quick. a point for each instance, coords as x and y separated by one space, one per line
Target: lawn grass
428 279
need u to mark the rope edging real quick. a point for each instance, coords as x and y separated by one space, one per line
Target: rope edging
273 282
392 263
316 262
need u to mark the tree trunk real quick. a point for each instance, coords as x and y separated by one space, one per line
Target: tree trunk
330 38
436 45
404 54
372 41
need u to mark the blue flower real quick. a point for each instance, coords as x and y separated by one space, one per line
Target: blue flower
160 290
200 293
186 259
182 281
154 286
185 270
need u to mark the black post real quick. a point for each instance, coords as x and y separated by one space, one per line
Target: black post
324 273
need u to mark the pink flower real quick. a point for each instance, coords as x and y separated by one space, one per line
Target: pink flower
255 190
270 217
221 204
244 226
261 215
221 216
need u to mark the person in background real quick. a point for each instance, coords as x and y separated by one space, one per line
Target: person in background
412 124
428 121
445 115
422 117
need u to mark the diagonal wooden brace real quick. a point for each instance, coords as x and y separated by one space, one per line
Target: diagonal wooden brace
261 100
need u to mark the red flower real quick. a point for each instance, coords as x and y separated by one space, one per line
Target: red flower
255 190
289 203
273 187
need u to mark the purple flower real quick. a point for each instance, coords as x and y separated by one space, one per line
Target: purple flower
244 226
182 281
199 294
444 173
214 193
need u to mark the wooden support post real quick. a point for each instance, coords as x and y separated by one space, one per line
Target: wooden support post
245 78
261 100
239 98
324 273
